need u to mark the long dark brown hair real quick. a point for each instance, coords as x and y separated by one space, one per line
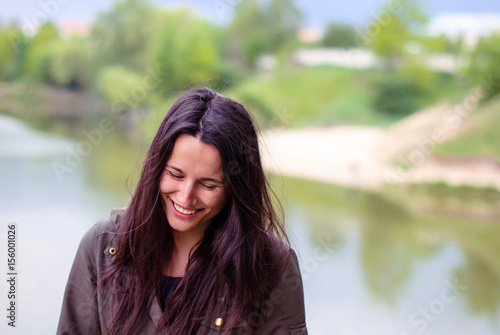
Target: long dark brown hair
236 259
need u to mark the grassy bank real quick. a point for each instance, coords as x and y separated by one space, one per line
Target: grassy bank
301 97
480 137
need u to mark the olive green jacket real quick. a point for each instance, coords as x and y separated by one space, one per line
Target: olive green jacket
84 312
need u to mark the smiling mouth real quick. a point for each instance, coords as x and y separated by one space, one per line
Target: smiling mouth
185 210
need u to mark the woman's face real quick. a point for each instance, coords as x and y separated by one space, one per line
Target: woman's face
192 185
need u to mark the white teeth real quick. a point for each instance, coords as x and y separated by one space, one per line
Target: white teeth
182 210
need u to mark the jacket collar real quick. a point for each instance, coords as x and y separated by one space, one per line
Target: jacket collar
155 311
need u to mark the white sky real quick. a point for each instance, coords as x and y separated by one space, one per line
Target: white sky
450 16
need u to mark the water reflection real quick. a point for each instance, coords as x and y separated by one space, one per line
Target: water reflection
51 217
483 296
406 262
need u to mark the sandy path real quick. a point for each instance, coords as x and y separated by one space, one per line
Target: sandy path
341 155
355 156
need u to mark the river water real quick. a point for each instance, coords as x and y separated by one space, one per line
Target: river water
370 265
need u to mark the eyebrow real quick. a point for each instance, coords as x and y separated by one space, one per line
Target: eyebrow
204 178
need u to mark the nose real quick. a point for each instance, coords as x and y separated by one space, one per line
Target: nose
186 194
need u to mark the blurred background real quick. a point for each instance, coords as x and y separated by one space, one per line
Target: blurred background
379 131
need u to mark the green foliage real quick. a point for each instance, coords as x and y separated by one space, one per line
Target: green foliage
311 96
134 37
392 38
198 52
261 111
326 95
36 62
12 48
339 36
70 63
436 44
396 35
282 23
423 78
185 50
122 35
260 27
40 63
453 46
442 44
248 34
480 138
228 76
396 95
389 33
413 87
115 82
441 190
485 64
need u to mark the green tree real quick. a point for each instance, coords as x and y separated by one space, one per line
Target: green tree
442 44
185 50
283 22
122 35
248 33
395 26
339 36
397 36
12 49
36 62
396 95
260 27
116 83
69 63
437 44
484 66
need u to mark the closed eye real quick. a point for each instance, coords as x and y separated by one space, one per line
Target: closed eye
173 175
208 187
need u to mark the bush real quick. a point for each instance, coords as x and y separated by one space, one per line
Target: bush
70 63
485 64
339 36
397 96
12 45
116 84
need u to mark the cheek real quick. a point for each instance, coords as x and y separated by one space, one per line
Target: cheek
165 185
219 200
211 200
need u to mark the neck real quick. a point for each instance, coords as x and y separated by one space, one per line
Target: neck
184 242
184 245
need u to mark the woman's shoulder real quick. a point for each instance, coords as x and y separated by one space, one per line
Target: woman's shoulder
280 246
111 223
103 231
284 307
286 258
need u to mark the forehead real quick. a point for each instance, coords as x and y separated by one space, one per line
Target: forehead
195 157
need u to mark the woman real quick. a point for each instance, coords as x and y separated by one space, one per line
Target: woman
197 251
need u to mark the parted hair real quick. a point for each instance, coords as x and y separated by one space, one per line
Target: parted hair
235 265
